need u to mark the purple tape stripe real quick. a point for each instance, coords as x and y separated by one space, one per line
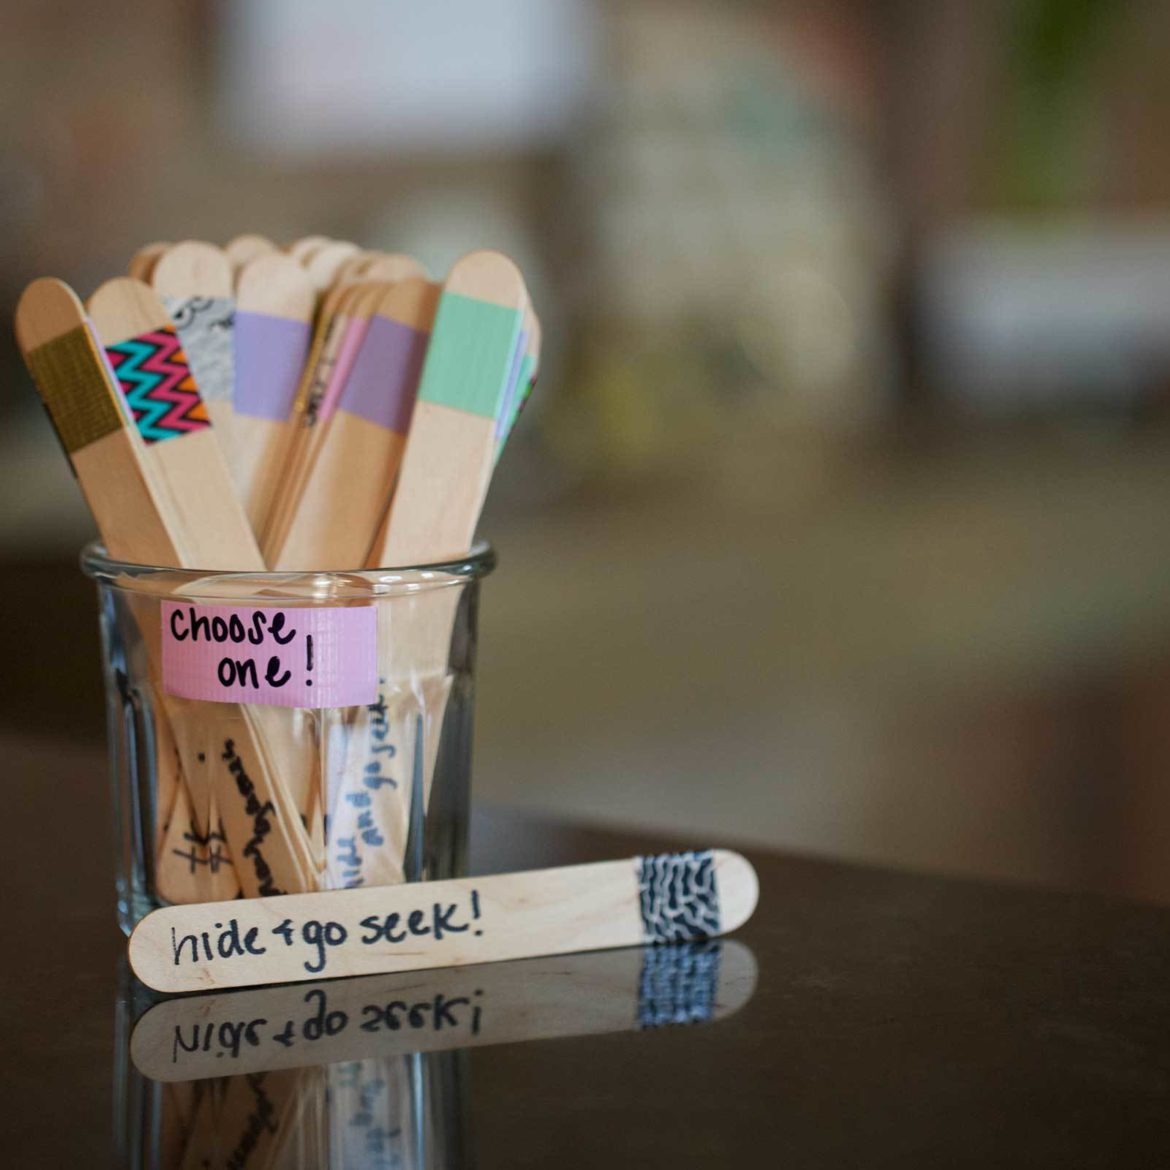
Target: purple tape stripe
505 410
270 356
384 380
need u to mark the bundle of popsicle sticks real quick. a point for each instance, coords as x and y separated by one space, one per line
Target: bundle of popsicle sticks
309 408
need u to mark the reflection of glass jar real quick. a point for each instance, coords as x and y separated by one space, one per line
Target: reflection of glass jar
365 782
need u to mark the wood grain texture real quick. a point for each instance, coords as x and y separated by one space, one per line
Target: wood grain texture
193 268
411 927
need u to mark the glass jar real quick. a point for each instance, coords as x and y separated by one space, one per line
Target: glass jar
286 732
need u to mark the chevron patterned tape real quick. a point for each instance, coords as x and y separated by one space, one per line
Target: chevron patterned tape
156 382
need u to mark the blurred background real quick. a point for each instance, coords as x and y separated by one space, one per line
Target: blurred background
839 520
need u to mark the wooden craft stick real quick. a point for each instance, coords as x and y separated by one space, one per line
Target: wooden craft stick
182 457
180 449
195 282
450 452
338 511
390 267
242 1032
242 249
274 310
64 358
518 396
451 448
323 263
143 261
674 897
342 323
301 249
67 365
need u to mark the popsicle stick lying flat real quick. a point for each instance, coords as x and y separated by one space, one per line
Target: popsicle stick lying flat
274 307
242 1032
674 897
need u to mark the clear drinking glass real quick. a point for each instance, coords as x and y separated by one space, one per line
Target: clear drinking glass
216 797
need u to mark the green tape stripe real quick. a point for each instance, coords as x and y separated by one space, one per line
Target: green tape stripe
71 377
469 359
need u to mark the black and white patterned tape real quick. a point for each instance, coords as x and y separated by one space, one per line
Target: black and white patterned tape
678 984
678 896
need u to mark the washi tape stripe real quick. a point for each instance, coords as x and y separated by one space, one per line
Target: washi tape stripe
512 394
469 360
69 373
678 896
330 380
205 326
157 384
382 384
270 355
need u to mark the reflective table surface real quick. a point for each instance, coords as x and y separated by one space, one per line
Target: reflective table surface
863 1017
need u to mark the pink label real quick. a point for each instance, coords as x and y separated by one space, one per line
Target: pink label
290 657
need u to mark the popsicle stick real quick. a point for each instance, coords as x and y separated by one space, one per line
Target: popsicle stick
338 511
67 365
195 283
526 380
241 249
222 752
451 448
143 261
391 267
341 328
101 443
627 989
301 249
673 897
323 263
274 310
180 449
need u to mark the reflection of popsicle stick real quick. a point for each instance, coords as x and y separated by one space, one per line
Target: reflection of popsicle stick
674 897
465 1007
274 307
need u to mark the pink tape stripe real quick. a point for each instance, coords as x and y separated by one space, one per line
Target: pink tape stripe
278 657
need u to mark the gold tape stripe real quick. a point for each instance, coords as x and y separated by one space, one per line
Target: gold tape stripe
69 374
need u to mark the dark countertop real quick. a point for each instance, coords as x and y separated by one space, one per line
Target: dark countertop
897 1020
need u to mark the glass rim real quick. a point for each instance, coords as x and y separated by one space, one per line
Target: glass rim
99 566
